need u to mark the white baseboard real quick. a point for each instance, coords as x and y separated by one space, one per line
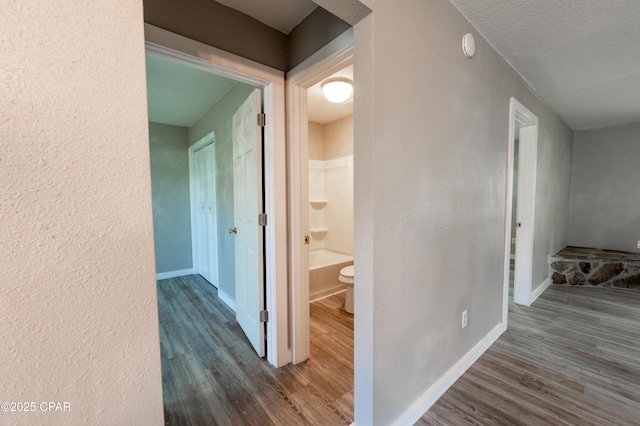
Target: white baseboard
538 291
173 274
326 293
422 405
227 299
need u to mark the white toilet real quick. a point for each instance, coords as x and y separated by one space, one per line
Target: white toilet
346 276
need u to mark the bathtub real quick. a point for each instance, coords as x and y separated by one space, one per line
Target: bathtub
324 269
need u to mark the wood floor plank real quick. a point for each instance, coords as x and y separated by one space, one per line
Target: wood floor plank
276 401
211 375
238 402
318 410
572 358
344 405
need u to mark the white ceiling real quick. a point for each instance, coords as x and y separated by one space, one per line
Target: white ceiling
580 56
321 110
283 15
179 95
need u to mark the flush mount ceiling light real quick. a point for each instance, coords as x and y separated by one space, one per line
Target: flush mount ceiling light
337 90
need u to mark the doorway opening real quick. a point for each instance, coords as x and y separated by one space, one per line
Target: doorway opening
330 191
229 203
520 209
308 211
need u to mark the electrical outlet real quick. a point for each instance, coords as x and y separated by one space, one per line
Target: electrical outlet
464 319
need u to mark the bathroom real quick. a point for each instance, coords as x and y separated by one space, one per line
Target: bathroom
330 173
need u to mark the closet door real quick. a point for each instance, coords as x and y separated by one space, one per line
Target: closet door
206 256
211 231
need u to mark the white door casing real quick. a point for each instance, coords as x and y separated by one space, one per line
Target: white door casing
247 193
523 293
333 57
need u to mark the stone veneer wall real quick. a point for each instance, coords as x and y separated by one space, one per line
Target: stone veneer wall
595 268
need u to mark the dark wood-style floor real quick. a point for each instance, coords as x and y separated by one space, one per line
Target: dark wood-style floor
211 375
572 358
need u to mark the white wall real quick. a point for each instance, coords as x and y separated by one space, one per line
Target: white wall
78 310
430 182
317 209
339 189
605 189
331 180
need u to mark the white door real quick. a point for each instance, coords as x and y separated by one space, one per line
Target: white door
247 192
523 291
525 211
211 232
202 266
206 256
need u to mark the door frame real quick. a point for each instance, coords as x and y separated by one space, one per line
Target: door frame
519 115
335 56
203 142
198 55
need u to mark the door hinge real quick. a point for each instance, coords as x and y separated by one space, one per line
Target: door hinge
262 219
264 316
262 120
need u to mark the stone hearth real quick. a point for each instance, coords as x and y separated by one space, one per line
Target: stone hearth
595 268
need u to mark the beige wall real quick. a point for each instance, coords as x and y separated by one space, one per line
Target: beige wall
430 183
331 140
79 319
338 138
316 141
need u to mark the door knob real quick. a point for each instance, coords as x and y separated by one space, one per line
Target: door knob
233 231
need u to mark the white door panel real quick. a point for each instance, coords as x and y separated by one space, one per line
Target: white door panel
206 256
247 191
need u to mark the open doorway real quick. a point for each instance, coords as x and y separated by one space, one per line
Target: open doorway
330 189
335 57
520 207
216 117
246 87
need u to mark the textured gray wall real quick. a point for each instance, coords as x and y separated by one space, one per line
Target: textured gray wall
170 194
313 33
227 29
220 26
218 119
605 189
431 130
